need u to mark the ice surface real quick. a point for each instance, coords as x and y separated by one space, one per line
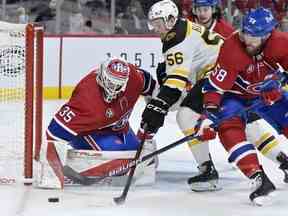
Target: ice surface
170 196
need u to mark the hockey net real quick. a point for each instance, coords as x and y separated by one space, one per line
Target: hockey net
21 67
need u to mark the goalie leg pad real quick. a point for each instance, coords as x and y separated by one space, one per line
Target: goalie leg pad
145 173
99 163
50 166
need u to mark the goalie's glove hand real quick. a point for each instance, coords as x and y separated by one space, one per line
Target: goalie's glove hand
204 128
154 115
271 90
161 73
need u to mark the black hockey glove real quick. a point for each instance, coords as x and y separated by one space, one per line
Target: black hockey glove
154 115
161 73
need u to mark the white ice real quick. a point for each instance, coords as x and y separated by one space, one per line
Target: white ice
170 196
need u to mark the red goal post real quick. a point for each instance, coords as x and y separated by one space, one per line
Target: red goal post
21 90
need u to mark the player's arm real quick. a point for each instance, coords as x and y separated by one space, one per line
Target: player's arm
220 80
67 122
149 83
169 93
59 127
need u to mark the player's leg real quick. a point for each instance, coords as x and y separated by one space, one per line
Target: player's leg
267 141
114 150
187 116
241 152
207 178
276 116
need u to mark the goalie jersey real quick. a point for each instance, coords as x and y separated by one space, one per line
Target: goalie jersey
87 112
190 52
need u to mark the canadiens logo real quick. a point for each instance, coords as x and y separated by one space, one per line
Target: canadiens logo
109 113
254 88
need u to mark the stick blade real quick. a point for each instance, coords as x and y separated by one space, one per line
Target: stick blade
77 178
119 200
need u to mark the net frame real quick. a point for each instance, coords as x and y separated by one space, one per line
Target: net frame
33 96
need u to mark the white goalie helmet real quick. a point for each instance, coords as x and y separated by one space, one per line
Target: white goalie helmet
113 76
164 9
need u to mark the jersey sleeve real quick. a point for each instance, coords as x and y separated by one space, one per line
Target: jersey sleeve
149 83
142 80
73 117
222 77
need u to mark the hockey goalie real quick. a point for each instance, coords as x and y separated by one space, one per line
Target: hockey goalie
90 134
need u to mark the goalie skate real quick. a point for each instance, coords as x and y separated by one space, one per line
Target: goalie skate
262 187
206 180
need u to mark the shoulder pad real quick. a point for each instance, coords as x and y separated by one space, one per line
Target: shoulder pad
175 36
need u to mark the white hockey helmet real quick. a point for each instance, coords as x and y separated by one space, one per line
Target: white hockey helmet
164 9
113 76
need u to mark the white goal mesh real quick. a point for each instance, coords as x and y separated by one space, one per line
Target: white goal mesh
19 56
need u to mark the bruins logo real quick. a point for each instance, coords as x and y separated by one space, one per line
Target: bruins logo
170 36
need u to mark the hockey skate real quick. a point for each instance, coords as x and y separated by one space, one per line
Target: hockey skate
206 180
262 187
283 159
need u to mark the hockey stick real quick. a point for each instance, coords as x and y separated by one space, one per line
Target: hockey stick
121 199
86 180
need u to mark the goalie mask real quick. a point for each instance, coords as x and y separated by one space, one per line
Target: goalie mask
113 76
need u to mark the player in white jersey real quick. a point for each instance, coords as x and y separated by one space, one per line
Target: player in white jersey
190 51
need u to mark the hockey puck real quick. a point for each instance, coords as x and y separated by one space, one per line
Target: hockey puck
53 199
